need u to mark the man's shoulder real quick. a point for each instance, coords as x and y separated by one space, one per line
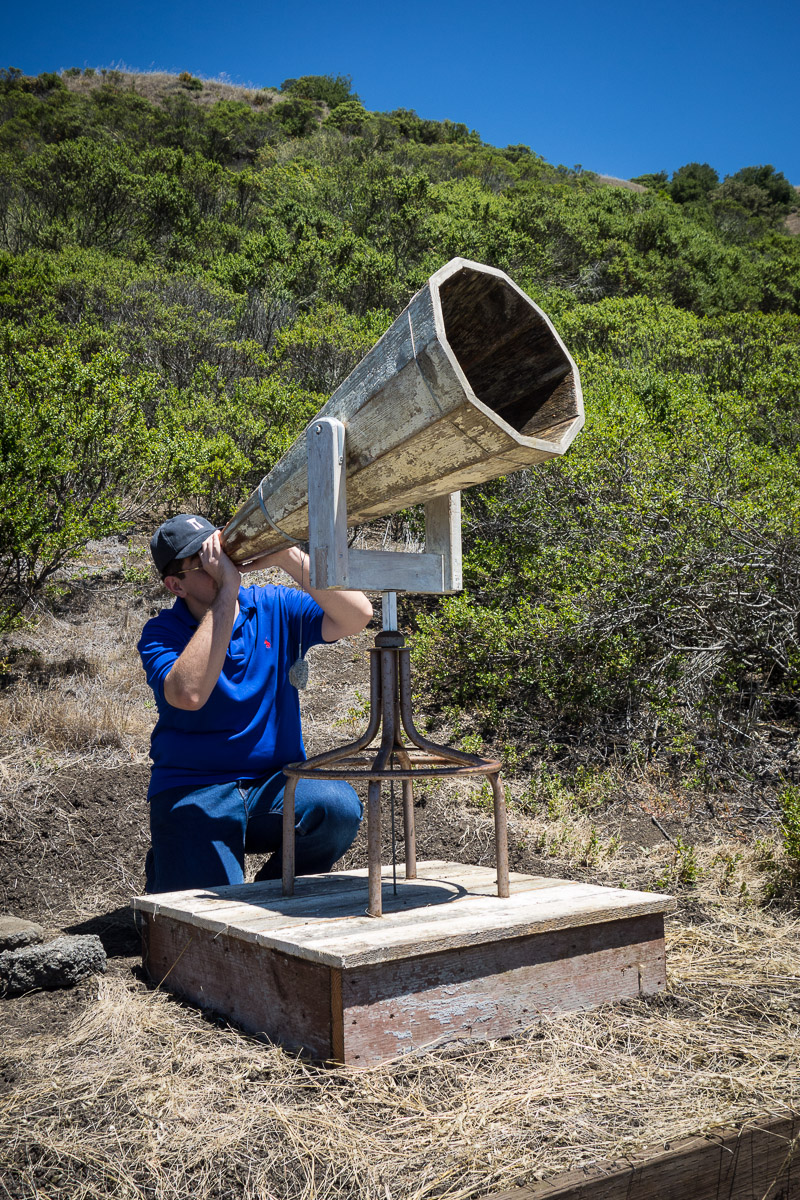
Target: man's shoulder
171 621
265 596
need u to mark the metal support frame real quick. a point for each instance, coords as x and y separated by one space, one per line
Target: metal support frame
438 570
390 714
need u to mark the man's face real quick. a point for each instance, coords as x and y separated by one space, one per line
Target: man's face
195 584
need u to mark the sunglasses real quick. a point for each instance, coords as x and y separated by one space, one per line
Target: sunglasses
188 570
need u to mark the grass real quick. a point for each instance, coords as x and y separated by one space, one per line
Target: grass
81 696
155 86
146 1098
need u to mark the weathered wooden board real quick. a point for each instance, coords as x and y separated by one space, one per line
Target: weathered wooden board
443 536
497 989
333 564
422 425
285 998
442 914
760 1161
448 960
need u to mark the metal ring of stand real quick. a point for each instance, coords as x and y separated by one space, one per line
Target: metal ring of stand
390 709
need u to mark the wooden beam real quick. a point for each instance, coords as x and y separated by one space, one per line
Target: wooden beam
327 504
334 565
443 536
395 571
758 1161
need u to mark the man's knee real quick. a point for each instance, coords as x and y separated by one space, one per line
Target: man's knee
330 809
340 802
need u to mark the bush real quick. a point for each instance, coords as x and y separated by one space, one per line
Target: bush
693 183
219 444
641 597
328 89
76 462
190 82
296 117
349 117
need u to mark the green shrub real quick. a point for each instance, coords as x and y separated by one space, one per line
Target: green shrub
640 598
76 462
219 444
329 89
349 117
789 802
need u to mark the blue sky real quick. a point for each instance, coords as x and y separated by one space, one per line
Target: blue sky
621 88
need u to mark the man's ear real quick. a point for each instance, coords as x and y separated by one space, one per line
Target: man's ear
173 584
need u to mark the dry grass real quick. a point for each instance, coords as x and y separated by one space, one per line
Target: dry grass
146 1098
155 86
88 703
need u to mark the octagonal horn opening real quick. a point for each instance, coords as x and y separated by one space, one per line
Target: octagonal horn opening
511 356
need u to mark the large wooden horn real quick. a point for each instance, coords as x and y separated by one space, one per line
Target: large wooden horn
470 382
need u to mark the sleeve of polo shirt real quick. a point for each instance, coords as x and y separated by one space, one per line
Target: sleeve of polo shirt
305 619
159 649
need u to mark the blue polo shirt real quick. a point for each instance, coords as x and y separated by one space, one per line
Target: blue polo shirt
250 724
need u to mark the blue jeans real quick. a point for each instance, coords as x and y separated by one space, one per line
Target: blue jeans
200 835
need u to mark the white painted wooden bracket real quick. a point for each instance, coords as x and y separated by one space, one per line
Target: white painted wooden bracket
334 565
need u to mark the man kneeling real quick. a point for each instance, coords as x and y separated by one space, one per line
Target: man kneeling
218 662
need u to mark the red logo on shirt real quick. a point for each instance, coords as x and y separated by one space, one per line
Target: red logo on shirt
267 644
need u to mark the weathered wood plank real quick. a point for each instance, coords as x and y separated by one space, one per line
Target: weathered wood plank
335 933
327 505
756 1162
496 990
363 990
332 563
471 922
317 887
364 1015
443 536
264 991
395 571
249 920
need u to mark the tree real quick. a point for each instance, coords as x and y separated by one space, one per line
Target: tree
780 193
692 183
74 462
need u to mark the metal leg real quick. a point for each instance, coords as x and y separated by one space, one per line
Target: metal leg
409 833
500 834
375 908
287 856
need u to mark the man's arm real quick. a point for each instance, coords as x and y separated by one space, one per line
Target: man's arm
196 671
346 613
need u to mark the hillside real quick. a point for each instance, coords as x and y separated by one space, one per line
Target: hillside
187 270
194 267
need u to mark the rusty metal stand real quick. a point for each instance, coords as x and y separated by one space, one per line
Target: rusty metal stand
390 711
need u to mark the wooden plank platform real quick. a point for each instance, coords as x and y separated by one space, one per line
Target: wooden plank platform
449 959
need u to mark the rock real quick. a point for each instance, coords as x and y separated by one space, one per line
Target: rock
60 963
14 932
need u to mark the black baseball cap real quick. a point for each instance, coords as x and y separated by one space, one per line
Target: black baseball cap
179 537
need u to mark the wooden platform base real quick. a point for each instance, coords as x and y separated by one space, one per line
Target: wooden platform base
448 960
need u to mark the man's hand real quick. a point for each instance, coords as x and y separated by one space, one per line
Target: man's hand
216 563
